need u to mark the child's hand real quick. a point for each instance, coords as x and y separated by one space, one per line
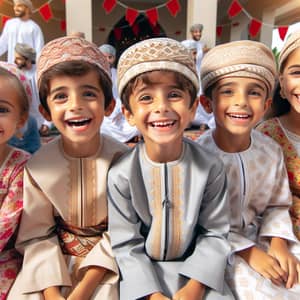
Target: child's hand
264 264
193 290
157 296
288 262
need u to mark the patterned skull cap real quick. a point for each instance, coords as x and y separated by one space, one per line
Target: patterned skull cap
11 68
239 59
157 54
292 43
70 48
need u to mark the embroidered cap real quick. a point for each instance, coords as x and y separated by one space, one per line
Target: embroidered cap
109 49
70 48
292 43
26 51
157 54
11 68
239 59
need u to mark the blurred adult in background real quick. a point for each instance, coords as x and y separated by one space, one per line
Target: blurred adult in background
116 125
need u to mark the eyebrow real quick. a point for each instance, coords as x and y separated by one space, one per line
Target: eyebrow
294 66
2 101
85 86
255 84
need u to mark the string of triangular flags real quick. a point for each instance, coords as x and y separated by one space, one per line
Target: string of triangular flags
44 10
255 25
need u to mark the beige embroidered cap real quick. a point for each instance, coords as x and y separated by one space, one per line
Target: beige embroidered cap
292 43
70 48
239 59
154 55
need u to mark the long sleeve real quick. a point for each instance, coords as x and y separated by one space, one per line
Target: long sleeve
43 258
11 209
4 41
137 272
212 248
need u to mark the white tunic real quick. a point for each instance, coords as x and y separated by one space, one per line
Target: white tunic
260 199
18 31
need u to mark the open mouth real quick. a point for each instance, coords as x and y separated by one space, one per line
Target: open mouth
163 124
239 116
79 122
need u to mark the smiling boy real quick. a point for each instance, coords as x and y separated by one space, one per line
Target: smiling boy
167 197
63 231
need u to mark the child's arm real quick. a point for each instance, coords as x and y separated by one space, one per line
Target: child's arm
87 286
288 262
53 293
264 264
157 296
193 290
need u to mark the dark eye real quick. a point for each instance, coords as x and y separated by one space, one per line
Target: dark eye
4 110
174 95
145 98
60 97
226 92
255 93
89 94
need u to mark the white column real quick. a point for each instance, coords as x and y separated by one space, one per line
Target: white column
204 12
266 32
239 28
79 17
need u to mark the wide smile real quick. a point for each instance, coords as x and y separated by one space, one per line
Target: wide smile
238 116
163 124
77 123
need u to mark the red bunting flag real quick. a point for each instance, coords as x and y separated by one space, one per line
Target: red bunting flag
63 25
46 12
152 15
254 27
4 19
109 5
219 30
118 33
173 7
234 9
136 29
283 31
131 15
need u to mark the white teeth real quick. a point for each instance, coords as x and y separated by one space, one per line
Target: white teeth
239 116
78 120
161 124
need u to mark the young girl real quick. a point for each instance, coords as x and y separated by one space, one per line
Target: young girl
14 107
284 124
63 229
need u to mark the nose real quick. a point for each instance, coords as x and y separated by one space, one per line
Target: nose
76 103
161 104
241 100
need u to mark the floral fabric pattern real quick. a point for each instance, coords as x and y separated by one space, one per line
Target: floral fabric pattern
273 129
11 203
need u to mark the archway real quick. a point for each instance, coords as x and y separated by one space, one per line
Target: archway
123 35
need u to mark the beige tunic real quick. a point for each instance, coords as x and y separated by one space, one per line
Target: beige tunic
73 189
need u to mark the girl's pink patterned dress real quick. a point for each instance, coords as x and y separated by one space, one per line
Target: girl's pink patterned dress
11 203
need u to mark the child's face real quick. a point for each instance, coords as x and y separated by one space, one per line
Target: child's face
11 117
238 104
290 80
76 106
160 110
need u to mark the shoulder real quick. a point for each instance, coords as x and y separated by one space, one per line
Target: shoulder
269 126
112 146
265 144
19 156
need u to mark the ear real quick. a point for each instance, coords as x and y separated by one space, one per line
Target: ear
267 105
282 94
109 109
44 113
23 120
206 103
128 116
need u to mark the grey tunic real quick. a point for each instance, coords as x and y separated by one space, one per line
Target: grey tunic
168 222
